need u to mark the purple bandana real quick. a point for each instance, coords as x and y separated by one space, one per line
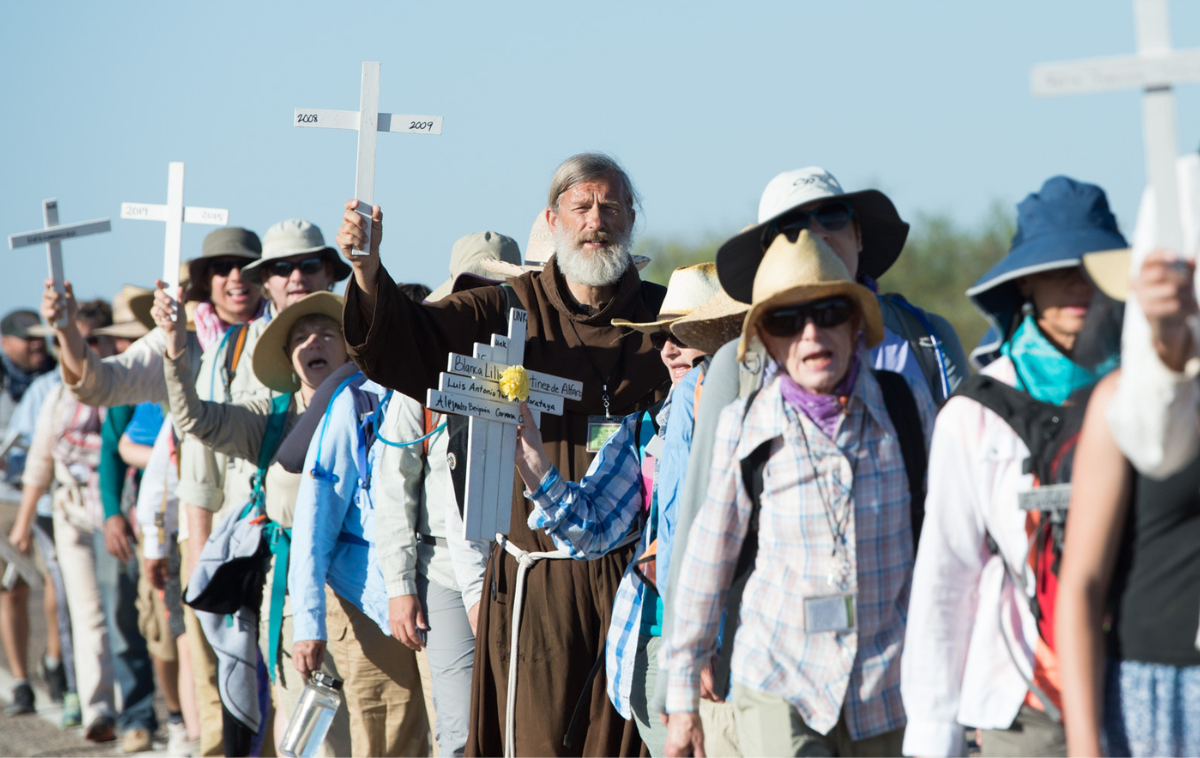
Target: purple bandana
824 410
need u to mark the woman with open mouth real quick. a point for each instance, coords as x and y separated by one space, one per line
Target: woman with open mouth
301 347
808 523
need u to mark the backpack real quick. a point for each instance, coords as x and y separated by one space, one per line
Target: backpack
1051 433
906 418
926 348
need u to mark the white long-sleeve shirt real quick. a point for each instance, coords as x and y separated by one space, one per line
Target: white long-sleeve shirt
955 670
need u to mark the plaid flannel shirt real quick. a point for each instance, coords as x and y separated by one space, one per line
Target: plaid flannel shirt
590 518
822 674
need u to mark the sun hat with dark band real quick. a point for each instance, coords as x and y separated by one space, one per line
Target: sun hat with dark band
226 242
792 273
1056 226
291 238
272 360
688 288
883 232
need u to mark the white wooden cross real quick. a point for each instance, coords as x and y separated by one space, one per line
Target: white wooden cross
52 233
1154 69
470 387
175 214
367 120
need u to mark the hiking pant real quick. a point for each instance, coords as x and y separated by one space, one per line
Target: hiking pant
204 671
450 650
383 686
1032 733
118 584
43 534
89 630
770 725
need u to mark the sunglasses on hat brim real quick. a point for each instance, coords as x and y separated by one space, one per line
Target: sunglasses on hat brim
825 314
833 215
659 340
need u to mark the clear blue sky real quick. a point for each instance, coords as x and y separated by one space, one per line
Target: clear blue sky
703 102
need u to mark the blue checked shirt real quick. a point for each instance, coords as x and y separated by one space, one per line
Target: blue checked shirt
823 674
588 519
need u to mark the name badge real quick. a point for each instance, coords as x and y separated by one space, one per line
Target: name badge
830 613
600 428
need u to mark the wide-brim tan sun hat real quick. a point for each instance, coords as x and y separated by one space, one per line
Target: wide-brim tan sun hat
713 324
792 273
272 361
1109 271
537 252
470 255
294 237
688 288
127 324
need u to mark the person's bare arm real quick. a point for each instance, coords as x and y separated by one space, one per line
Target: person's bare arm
1101 488
199 527
353 234
132 453
71 346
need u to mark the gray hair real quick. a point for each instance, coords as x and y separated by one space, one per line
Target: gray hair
586 167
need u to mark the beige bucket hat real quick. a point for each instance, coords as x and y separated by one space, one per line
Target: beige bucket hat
131 313
1109 271
537 252
798 272
688 288
292 237
471 253
272 364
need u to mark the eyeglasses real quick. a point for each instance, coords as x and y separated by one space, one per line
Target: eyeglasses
307 266
225 266
833 215
825 314
659 340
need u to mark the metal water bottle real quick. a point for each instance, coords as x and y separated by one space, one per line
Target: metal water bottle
314 713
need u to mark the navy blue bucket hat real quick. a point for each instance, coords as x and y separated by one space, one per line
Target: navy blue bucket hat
1055 227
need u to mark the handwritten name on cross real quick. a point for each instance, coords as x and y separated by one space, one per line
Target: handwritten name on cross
367 120
1154 69
470 387
52 233
175 214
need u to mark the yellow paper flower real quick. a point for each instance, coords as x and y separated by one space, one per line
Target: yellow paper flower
514 383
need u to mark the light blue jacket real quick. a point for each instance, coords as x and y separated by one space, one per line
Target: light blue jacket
333 530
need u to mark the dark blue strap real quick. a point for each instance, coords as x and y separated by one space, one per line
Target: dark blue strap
352 539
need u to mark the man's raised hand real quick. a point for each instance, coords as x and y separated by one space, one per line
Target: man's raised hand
352 234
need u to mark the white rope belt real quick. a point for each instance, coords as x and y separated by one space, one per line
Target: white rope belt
525 561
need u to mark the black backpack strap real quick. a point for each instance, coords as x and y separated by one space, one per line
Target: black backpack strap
511 298
1038 424
902 409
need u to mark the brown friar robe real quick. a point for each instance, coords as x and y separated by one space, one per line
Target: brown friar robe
568 603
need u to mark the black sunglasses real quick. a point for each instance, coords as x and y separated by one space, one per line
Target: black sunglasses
307 266
828 313
225 266
833 215
659 340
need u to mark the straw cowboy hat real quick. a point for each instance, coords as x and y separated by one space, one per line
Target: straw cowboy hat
689 288
272 360
713 324
295 237
798 272
1109 271
131 313
537 252
470 255
883 231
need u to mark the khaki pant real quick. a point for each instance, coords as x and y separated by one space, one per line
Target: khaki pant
768 725
1032 733
89 628
383 687
152 617
289 685
204 671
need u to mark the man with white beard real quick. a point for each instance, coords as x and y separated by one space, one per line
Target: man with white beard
560 701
